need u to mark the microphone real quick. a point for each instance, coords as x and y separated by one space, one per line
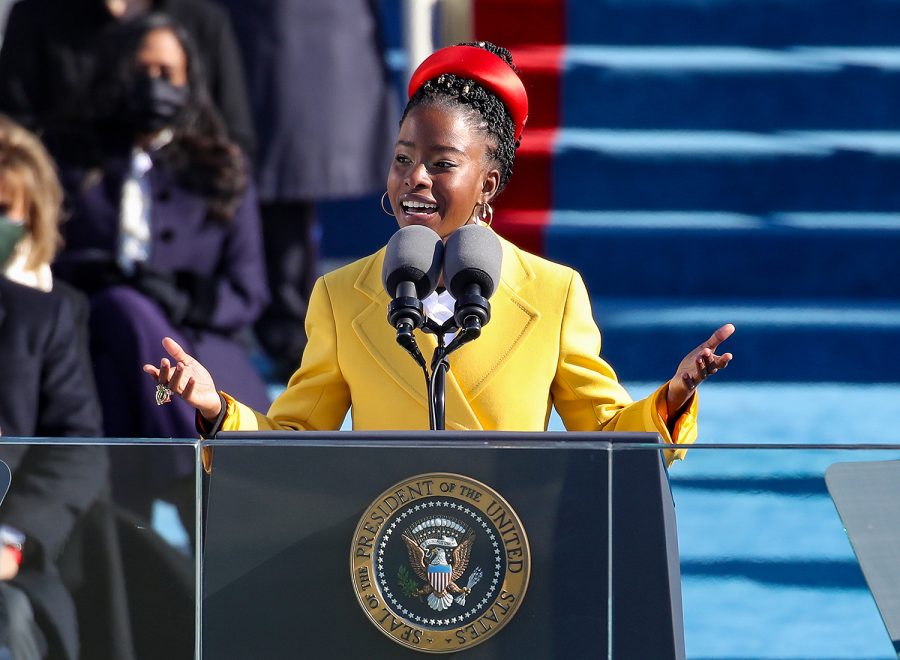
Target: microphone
412 266
472 261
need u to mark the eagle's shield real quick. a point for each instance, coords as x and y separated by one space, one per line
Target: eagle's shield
439 577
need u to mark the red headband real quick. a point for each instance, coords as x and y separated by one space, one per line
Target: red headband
483 67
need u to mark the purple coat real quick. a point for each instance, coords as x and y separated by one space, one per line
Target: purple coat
183 238
214 265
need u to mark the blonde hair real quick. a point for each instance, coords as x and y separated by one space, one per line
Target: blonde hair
25 162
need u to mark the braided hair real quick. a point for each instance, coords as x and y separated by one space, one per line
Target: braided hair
485 112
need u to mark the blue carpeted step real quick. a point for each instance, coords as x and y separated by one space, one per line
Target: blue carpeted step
727 529
720 255
742 172
769 545
739 22
740 89
644 339
733 618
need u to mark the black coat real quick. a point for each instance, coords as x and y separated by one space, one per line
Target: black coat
46 392
48 54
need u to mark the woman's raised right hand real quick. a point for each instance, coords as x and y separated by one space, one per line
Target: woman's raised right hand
188 379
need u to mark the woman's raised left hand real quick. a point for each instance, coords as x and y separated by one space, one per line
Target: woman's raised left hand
697 366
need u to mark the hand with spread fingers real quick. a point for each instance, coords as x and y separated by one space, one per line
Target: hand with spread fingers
187 378
697 366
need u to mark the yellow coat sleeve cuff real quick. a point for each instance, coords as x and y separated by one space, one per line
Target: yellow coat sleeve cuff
684 429
238 417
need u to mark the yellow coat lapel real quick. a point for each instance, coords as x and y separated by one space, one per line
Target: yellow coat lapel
371 326
512 320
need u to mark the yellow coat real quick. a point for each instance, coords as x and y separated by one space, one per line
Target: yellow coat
540 349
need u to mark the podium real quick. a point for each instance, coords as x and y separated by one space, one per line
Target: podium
291 520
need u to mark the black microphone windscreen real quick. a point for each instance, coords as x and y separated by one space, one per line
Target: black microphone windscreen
414 254
473 255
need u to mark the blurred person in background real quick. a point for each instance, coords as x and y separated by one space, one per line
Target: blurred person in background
325 117
48 55
48 392
30 201
164 236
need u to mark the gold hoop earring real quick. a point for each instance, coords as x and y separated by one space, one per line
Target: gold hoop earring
487 214
382 205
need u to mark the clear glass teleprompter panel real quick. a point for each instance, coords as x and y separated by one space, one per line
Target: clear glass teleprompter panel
130 571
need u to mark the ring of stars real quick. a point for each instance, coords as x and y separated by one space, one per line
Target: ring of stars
479 522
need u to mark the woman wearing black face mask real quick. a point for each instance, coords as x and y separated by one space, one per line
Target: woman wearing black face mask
163 233
154 102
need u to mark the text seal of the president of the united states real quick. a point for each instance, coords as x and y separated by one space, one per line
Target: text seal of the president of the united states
440 562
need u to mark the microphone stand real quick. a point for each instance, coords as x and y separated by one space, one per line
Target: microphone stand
436 385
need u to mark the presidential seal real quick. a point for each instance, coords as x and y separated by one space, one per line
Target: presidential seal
440 562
